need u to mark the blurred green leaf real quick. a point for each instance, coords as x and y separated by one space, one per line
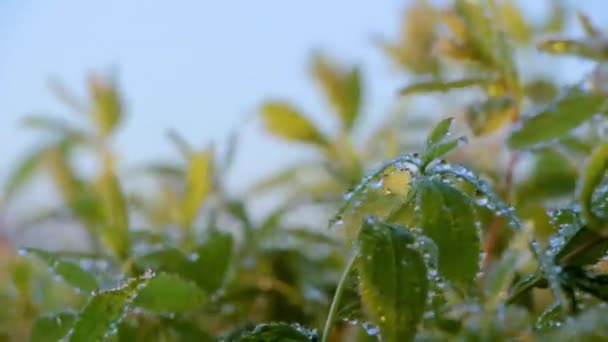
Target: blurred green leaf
591 325
595 48
394 284
169 293
56 126
447 217
197 187
105 310
180 144
285 121
441 86
566 113
439 132
441 149
595 169
68 271
51 328
23 173
115 212
107 104
214 257
490 115
588 27
578 245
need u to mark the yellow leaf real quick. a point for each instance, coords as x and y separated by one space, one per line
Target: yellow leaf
197 187
491 115
514 22
115 233
107 104
396 181
286 122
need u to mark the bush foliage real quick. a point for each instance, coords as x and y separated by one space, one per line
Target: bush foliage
494 227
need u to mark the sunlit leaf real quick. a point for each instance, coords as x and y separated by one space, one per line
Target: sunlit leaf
595 169
105 310
51 328
169 293
514 22
566 113
68 271
285 121
107 104
595 48
490 115
440 86
115 212
197 187
394 284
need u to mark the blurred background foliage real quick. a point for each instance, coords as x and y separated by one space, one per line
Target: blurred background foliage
225 267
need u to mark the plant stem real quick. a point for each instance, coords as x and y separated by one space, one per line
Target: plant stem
333 309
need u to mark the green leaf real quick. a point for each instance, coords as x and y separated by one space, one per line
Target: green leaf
169 293
269 332
341 87
285 121
107 104
577 244
115 213
394 283
51 328
23 173
562 116
68 271
594 284
198 186
440 149
595 48
490 115
213 258
500 279
105 311
441 86
592 325
595 169
447 217
587 25
439 132
180 143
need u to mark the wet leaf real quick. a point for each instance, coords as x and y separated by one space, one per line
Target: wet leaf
276 332
51 328
447 217
394 284
197 187
285 121
439 132
169 293
440 149
105 310
69 272
563 115
595 169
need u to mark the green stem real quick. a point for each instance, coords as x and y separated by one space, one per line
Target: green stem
333 309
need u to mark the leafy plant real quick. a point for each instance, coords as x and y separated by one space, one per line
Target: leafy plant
492 227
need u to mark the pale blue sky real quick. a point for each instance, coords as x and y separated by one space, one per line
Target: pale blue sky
197 66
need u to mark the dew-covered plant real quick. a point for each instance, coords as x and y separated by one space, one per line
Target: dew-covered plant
492 227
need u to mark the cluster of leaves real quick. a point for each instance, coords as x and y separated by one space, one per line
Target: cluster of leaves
432 245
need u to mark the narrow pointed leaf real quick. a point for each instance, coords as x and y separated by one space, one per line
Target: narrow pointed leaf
595 48
105 311
588 27
107 104
169 293
591 325
70 272
115 213
441 86
562 116
51 328
595 170
490 115
285 121
23 173
440 149
439 132
447 217
198 185
394 284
